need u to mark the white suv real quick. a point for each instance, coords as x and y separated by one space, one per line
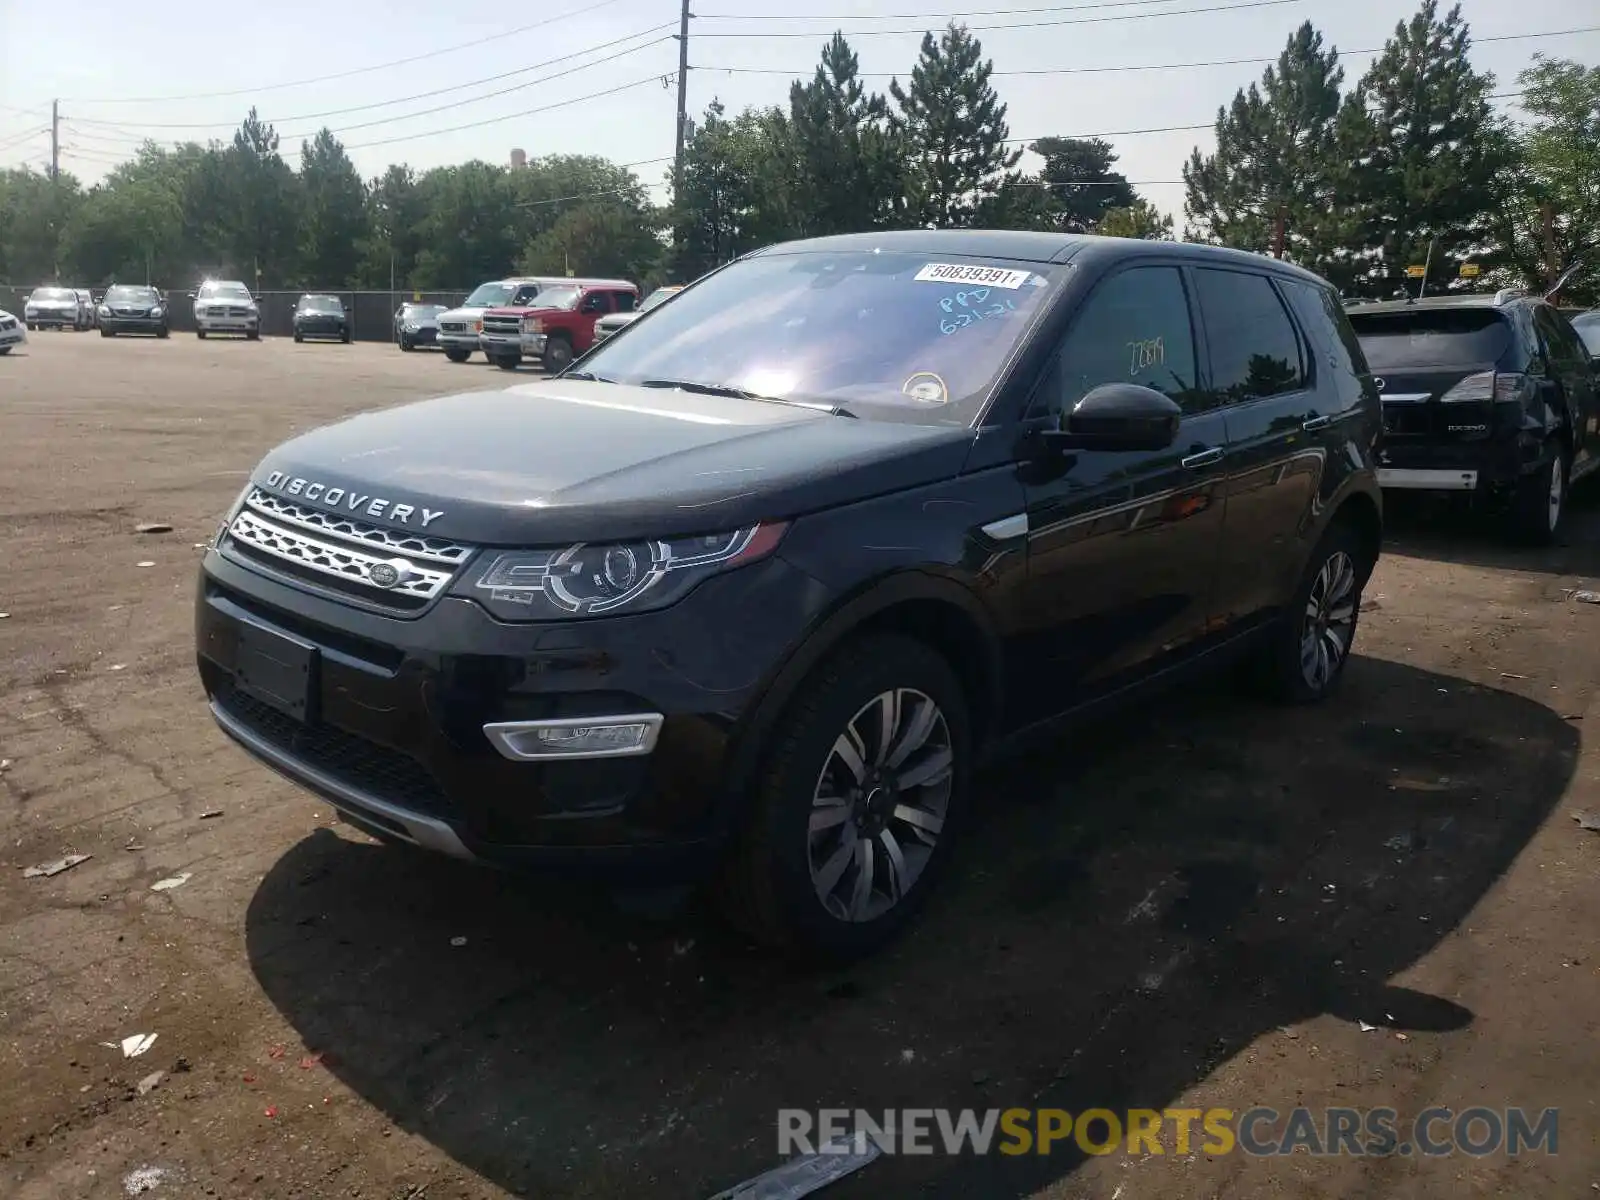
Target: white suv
225 306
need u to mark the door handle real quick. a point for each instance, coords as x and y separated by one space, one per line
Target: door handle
1316 423
1203 459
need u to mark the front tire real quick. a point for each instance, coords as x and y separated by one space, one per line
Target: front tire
104 332
1540 502
299 337
163 332
253 335
200 333
858 804
407 345
457 356
557 354
506 362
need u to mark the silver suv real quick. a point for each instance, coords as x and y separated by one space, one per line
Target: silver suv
225 306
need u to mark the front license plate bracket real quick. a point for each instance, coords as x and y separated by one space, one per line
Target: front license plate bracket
277 669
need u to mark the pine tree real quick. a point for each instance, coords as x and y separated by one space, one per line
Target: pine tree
1082 185
954 131
334 212
1430 151
844 158
1277 162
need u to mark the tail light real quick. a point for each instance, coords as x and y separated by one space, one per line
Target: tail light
1504 387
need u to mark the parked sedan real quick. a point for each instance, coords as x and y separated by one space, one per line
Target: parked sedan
417 325
11 333
53 307
321 317
133 308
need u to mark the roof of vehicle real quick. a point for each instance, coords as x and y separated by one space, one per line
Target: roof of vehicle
1462 300
562 281
320 296
1028 246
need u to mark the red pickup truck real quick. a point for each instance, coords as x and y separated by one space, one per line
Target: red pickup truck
555 327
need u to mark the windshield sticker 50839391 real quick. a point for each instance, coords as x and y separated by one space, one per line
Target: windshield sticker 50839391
1001 277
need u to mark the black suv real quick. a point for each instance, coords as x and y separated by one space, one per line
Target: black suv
1488 396
751 588
321 317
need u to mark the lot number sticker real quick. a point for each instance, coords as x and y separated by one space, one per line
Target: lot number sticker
972 273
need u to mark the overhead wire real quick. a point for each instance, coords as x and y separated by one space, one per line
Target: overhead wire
285 120
1142 16
350 74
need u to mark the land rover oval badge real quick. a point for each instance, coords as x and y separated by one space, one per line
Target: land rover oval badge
389 574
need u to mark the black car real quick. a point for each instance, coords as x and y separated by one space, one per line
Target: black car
417 325
748 593
1490 397
321 317
132 308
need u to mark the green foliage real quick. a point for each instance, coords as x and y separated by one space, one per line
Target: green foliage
953 130
1141 219
1082 186
333 211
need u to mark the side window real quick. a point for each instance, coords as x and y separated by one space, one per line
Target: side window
594 302
1323 319
1134 328
1557 337
624 301
524 294
1255 351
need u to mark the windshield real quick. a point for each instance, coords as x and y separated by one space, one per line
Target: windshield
320 304
896 336
126 294
224 291
1440 337
659 296
421 310
54 293
1588 327
490 295
557 297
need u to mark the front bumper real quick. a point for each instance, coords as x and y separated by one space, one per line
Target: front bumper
321 331
228 324
426 336
13 335
393 729
56 317
116 324
525 345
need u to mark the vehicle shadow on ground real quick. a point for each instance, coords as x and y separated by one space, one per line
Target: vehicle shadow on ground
1131 910
1449 532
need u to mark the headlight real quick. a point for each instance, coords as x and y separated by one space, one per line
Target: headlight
477 327
585 580
105 310
411 327
532 325
157 311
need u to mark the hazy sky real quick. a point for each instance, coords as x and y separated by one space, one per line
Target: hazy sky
176 71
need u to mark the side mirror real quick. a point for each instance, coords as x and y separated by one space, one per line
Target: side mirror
192 296
1119 416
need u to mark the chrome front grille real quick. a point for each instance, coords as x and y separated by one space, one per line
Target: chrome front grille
502 325
453 326
411 545
340 563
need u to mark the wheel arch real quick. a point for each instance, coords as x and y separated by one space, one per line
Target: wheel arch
1362 513
941 612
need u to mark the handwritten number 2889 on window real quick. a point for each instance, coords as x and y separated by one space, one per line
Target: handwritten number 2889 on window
1143 355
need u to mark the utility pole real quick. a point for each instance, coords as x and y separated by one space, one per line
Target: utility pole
1280 231
683 98
55 140
1552 266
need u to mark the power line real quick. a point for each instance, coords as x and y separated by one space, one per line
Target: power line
333 112
408 137
384 66
915 16
1180 12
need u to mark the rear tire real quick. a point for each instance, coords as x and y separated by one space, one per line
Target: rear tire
850 830
1540 502
1305 655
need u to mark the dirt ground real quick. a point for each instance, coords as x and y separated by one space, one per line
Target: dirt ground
1206 903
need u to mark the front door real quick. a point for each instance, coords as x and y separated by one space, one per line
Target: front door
1122 546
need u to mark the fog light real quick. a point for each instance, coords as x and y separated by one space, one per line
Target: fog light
575 737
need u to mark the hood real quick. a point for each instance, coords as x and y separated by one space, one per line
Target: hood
462 314
553 462
616 320
52 304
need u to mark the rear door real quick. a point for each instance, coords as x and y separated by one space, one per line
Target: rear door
1261 377
1567 364
1434 369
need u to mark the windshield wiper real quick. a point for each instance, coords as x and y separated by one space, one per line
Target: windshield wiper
736 393
586 376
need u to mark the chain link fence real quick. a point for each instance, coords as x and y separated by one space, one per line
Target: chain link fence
371 313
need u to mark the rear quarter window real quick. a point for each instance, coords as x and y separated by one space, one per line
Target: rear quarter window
1444 337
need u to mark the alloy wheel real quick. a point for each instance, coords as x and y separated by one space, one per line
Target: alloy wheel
880 805
1330 621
